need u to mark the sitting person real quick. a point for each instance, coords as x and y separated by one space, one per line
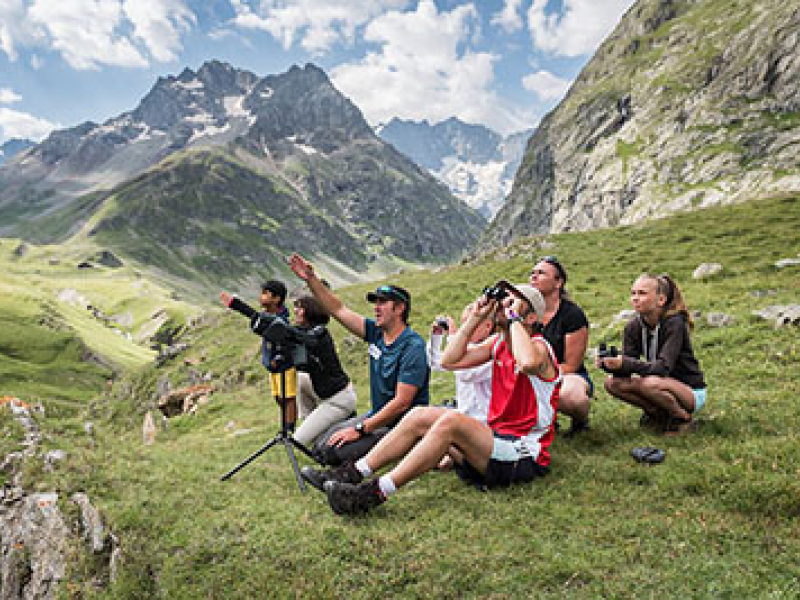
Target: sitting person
325 396
667 383
567 329
398 367
511 447
473 386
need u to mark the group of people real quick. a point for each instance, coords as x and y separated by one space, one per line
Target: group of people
518 359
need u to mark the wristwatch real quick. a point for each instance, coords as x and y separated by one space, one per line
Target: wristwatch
360 428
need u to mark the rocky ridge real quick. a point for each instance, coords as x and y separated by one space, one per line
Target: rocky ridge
687 104
218 173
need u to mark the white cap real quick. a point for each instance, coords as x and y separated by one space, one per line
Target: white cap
535 298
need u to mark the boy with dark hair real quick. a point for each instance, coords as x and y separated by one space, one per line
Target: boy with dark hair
272 300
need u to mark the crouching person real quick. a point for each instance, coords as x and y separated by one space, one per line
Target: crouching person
511 447
658 371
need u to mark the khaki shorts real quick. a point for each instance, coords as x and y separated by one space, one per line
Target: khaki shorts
291 384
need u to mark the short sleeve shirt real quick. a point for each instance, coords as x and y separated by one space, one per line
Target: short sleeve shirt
403 361
568 318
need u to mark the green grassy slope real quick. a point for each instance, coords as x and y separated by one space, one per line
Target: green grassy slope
65 330
718 518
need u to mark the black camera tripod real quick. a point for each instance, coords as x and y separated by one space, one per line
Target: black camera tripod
284 437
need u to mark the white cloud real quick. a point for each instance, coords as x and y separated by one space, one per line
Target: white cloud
91 33
578 29
16 29
509 18
546 85
158 24
317 24
8 96
83 31
423 70
16 124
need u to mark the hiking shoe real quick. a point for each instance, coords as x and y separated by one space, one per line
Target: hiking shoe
346 473
655 423
676 426
349 499
577 427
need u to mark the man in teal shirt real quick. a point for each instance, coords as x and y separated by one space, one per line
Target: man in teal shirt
398 365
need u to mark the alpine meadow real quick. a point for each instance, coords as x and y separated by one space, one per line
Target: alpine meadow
128 390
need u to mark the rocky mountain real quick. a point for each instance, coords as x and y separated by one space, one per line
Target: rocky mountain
12 147
218 173
688 103
474 162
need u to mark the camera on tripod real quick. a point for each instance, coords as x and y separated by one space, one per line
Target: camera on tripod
288 342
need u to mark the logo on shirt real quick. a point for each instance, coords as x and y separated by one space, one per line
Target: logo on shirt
374 352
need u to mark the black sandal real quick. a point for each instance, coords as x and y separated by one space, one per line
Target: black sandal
648 454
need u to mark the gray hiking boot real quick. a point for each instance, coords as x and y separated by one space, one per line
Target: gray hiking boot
349 499
346 473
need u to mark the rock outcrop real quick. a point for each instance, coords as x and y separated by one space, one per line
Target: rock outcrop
36 539
687 104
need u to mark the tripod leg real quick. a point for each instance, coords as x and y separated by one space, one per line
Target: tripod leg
250 458
304 450
288 445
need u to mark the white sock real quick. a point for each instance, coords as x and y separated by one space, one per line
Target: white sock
386 485
363 467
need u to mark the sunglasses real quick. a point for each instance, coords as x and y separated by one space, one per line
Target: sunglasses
552 260
393 291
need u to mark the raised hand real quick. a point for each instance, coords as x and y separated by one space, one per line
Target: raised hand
301 267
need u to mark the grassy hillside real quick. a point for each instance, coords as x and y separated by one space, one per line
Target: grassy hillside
718 518
65 329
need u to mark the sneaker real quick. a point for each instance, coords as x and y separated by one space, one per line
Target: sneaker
346 473
677 426
577 427
655 423
349 499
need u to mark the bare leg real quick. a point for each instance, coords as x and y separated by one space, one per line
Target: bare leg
654 394
396 444
473 439
624 388
573 399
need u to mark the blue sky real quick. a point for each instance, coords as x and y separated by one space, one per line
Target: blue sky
500 63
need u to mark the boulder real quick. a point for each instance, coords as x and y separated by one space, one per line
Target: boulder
781 315
787 262
719 319
706 270
185 400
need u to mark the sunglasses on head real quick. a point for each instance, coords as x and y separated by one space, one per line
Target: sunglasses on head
391 290
552 260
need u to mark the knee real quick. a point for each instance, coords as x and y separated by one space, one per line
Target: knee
574 392
446 424
418 419
611 385
651 383
617 385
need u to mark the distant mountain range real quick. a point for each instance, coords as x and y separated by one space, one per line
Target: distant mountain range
13 147
477 164
218 173
684 105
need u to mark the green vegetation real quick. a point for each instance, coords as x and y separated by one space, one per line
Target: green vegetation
718 518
